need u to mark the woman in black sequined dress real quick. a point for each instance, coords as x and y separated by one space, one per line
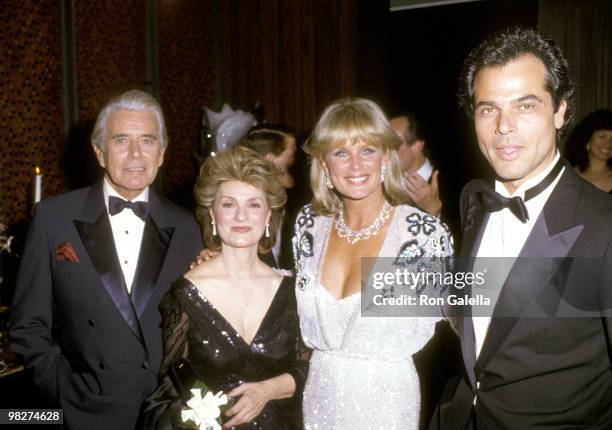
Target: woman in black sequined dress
234 318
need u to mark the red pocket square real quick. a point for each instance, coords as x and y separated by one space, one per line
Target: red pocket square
65 252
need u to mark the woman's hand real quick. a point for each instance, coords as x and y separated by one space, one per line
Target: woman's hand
255 395
253 398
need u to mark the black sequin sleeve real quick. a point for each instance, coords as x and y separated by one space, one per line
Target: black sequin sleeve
161 409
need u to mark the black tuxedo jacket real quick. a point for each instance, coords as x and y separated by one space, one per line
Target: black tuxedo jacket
92 349
550 372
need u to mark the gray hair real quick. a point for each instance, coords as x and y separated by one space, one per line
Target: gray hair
133 100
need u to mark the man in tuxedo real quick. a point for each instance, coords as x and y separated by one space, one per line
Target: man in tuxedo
532 364
96 263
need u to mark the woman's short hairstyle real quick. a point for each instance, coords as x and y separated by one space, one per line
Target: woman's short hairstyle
501 48
244 165
268 138
133 100
576 150
352 120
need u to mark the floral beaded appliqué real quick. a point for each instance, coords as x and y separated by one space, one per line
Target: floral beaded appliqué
305 218
303 244
425 223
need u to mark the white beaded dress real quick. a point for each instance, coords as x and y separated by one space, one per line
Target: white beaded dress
361 372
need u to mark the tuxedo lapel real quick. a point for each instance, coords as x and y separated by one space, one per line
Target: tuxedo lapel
153 250
474 220
468 344
539 263
96 234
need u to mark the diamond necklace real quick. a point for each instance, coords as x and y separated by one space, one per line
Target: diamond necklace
354 236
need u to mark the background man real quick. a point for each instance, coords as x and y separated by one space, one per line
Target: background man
438 361
421 178
521 372
96 263
276 143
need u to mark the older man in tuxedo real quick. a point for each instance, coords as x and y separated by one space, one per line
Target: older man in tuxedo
528 366
96 263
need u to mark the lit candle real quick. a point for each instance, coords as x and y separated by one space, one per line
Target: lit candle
37 185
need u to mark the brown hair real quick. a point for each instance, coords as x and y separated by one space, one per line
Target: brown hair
268 138
244 165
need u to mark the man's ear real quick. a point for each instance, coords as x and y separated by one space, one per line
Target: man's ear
161 157
560 115
99 155
418 145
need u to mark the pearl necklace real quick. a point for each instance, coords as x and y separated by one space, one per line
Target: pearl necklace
352 236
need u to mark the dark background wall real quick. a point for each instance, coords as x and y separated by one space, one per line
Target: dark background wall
31 131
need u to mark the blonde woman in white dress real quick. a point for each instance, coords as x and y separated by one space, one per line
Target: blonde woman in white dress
362 374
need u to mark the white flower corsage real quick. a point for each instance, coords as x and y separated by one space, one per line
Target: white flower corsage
204 408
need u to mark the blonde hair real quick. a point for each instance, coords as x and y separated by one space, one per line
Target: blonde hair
244 165
352 120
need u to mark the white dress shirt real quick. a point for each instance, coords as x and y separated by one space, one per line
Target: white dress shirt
505 235
127 233
426 170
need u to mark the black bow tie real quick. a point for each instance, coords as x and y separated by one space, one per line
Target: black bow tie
116 205
492 201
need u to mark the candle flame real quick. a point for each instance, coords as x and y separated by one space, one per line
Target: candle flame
37 170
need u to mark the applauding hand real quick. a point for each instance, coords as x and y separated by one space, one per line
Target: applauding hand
424 195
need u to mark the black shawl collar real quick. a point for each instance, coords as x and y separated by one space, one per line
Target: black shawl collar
95 231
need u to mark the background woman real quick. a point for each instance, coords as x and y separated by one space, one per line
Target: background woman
361 373
233 317
589 149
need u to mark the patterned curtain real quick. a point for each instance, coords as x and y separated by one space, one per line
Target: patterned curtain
583 29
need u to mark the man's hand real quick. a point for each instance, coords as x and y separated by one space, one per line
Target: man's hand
425 196
205 255
253 398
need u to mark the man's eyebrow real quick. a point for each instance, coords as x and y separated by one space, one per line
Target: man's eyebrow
485 103
529 97
149 136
